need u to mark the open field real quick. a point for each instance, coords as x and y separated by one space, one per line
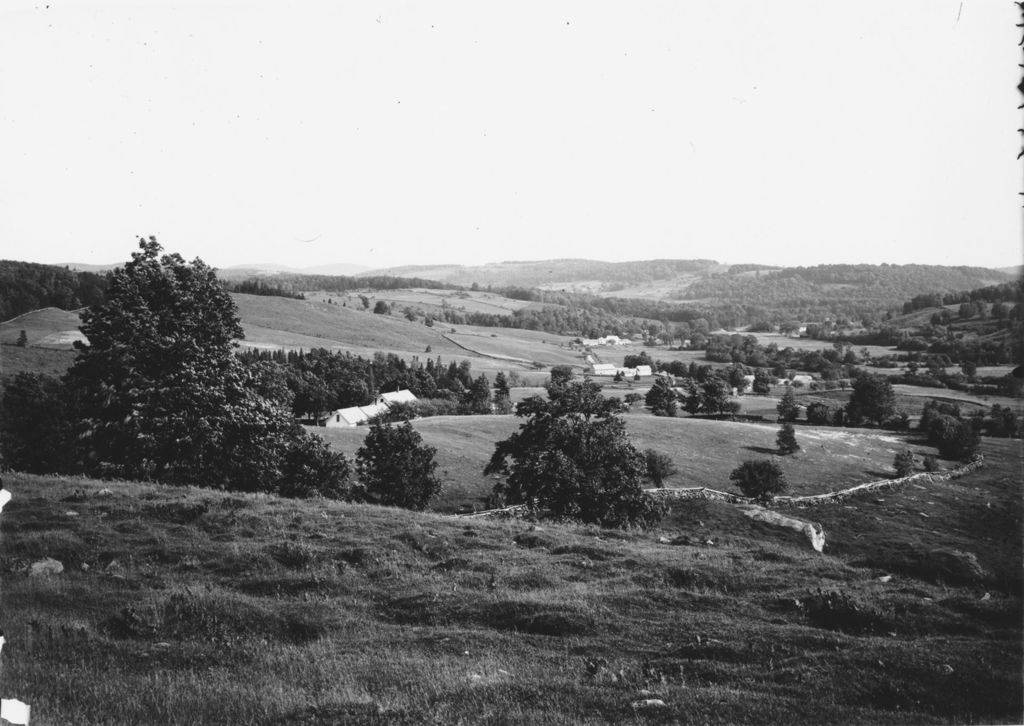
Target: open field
180 606
704 451
45 328
428 301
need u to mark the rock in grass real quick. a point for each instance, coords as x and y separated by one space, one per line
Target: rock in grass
649 703
46 567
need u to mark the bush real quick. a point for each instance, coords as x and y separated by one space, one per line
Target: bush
659 466
309 468
786 439
819 414
931 464
954 439
904 463
838 611
762 479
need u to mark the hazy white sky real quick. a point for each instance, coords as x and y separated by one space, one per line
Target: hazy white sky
466 132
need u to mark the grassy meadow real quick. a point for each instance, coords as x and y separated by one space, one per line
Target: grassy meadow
705 452
182 606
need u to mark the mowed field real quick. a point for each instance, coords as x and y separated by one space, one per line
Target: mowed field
427 300
704 451
44 328
274 322
186 606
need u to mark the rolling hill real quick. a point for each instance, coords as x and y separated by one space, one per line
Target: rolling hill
189 606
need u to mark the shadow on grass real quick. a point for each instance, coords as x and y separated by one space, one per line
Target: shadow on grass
762 450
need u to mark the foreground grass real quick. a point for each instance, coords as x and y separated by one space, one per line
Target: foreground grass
190 606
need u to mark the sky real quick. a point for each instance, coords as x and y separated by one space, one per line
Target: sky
396 133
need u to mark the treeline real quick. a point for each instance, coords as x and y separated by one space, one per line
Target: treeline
320 380
258 286
296 283
1007 292
27 286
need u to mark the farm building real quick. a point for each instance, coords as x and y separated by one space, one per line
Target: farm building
801 379
608 369
605 340
356 415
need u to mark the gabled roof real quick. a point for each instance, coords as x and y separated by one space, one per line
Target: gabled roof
403 396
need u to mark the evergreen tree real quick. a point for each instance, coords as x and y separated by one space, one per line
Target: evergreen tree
786 439
787 407
22 340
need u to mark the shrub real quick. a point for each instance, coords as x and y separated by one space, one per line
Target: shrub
904 463
659 466
838 611
762 479
819 414
786 439
931 464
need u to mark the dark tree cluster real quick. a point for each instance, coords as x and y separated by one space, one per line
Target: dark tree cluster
27 286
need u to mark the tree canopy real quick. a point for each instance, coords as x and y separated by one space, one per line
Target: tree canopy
161 395
572 456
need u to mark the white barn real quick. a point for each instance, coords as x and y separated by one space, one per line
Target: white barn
356 415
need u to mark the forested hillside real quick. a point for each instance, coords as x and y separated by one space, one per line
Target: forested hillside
851 290
26 286
546 272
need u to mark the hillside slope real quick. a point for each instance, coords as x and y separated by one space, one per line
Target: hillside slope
182 606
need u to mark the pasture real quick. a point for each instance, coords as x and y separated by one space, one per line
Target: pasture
181 606
705 452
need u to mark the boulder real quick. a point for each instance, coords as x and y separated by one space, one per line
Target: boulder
46 567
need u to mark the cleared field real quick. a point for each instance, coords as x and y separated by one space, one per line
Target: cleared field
430 301
274 322
704 451
553 350
44 328
188 606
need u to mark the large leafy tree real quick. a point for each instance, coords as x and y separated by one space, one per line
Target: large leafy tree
872 398
161 394
661 398
573 457
396 468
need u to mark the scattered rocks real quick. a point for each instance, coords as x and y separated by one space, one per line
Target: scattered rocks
46 567
71 513
885 578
